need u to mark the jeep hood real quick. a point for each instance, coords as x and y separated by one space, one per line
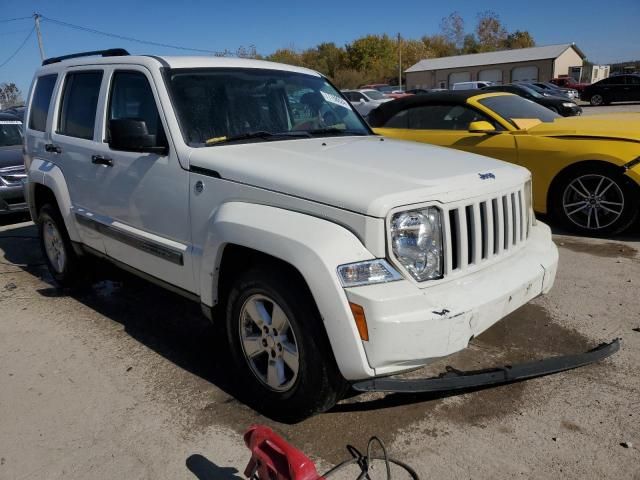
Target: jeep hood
367 175
623 126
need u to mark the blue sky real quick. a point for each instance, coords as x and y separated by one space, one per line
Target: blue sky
605 31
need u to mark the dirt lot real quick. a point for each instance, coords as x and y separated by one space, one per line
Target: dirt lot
125 380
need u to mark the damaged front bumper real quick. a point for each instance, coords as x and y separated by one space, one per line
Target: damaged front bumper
454 379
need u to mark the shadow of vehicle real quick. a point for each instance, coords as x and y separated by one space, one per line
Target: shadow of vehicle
205 469
632 234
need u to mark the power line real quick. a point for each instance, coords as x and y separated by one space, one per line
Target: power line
4 20
19 48
129 39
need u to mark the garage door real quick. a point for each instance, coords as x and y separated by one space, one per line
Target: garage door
524 74
459 77
494 75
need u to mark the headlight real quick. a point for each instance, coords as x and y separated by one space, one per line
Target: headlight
528 203
367 273
416 241
568 104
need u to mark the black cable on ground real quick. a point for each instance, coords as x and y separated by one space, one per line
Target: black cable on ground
364 461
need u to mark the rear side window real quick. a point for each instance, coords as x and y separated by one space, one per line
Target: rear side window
41 101
79 102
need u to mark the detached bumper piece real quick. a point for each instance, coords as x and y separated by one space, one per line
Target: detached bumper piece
454 379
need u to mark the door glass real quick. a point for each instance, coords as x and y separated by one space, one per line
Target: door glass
443 117
131 97
79 102
41 101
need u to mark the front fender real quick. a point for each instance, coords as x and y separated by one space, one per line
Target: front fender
315 247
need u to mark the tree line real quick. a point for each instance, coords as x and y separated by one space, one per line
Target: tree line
374 58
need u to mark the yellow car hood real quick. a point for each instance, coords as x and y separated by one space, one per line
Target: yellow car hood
623 126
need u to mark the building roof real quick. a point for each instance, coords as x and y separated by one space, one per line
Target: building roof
493 58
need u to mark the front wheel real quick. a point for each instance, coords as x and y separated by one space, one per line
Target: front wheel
596 100
280 352
597 201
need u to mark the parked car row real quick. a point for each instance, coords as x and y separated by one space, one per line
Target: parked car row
11 165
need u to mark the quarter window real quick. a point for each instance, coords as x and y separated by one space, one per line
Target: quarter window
40 103
132 98
79 102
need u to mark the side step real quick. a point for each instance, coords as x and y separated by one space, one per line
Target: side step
454 379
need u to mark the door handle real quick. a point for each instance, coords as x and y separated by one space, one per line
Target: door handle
51 148
100 160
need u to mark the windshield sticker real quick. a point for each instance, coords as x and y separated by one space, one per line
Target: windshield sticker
10 122
335 100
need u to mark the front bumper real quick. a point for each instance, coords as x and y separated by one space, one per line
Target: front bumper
12 199
409 326
457 380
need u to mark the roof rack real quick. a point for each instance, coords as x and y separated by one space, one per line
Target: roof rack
111 52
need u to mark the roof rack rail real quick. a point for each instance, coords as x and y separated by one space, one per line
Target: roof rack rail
111 52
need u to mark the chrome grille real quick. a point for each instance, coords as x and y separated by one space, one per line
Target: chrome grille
11 176
481 230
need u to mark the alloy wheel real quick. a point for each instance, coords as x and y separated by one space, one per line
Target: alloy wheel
54 246
597 99
269 343
593 201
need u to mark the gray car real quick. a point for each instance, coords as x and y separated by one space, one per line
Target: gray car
11 165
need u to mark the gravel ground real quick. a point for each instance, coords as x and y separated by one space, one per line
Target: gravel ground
125 380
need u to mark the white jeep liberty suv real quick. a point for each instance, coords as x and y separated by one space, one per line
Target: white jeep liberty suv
328 254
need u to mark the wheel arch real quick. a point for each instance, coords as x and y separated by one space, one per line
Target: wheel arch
311 248
557 180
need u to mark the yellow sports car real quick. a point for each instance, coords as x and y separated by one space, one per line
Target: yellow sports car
586 170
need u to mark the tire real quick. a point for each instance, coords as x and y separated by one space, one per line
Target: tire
596 200
268 380
61 259
597 100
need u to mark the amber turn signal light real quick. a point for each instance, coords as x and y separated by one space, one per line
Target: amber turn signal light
361 320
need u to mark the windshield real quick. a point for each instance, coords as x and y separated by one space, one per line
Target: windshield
10 133
385 89
374 95
216 106
513 106
530 91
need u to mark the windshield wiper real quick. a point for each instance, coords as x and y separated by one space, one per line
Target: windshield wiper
334 131
263 135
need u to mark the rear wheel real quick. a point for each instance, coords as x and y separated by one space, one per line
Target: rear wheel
281 355
596 100
596 200
61 259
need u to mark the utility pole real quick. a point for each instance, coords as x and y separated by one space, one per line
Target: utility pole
400 60
36 18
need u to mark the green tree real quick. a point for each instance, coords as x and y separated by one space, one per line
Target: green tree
470 44
519 39
373 53
286 55
439 46
326 58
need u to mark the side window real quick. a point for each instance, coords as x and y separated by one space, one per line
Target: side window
41 101
399 120
131 97
441 117
359 97
79 102
633 80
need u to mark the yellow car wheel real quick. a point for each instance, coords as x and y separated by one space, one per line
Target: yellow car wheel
595 200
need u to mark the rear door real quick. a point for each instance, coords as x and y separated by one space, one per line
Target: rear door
73 144
633 84
447 125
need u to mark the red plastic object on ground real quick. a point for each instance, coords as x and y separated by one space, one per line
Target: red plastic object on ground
272 458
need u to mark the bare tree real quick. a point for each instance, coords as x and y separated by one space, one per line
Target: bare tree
452 27
10 95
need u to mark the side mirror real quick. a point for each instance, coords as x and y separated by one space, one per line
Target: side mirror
132 135
481 127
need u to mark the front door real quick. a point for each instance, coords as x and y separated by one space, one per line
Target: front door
144 196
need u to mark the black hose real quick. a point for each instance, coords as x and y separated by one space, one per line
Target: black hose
364 461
